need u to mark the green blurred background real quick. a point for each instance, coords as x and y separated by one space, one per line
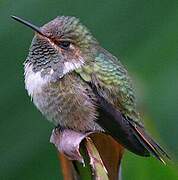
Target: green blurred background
144 34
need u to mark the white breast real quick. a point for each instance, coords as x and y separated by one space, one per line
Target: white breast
33 80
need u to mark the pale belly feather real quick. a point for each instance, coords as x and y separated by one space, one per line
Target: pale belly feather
65 103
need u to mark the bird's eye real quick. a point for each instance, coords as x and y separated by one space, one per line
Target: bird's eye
64 45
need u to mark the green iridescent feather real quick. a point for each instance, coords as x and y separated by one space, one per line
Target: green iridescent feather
112 82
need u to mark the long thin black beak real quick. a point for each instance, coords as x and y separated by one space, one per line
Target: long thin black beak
28 24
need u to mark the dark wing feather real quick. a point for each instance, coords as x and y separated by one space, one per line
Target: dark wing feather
117 126
127 132
113 89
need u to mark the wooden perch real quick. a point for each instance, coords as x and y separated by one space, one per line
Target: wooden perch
104 154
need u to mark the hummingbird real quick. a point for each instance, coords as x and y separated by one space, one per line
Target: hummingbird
78 85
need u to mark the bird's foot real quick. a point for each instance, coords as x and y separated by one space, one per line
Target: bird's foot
58 128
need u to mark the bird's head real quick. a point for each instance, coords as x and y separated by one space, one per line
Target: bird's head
62 45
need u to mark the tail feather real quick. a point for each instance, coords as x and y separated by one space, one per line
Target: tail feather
153 147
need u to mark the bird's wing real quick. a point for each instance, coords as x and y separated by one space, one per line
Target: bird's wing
116 104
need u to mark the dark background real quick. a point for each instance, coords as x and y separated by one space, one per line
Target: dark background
144 34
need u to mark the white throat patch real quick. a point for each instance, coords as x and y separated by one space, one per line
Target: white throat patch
33 80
